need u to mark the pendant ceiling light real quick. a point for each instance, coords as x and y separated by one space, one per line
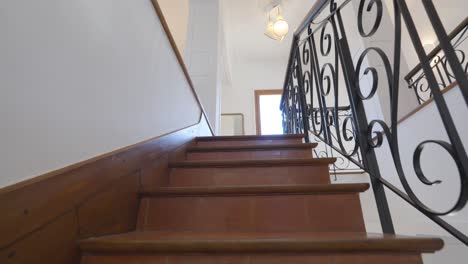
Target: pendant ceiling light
278 29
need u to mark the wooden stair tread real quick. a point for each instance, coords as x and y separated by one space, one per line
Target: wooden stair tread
251 163
187 242
258 190
251 147
250 137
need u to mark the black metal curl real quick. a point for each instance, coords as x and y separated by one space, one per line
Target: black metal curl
378 17
306 56
325 37
345 130
373 71
305 53
327 79
316 121
347 134
417 159
330 117
461 200
376 142
307 81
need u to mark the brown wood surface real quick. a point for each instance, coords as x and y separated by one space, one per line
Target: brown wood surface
250 137
256 190
284 242
111 210
101 195
381 258
54 243
250 154
276 212
251 163
251 147
249 176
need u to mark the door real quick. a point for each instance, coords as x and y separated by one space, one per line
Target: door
268 115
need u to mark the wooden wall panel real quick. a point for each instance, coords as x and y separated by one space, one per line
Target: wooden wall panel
95 197
156 173
54 243
111 211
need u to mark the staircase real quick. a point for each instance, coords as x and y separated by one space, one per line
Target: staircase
252 200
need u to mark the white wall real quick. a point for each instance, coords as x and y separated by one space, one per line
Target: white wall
176 14
202 55
82 78
435 162
407 221
437 165
451 12
251 75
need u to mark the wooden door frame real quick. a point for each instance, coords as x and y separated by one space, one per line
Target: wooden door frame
258 93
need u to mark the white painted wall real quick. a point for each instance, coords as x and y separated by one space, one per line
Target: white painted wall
407 221
250 76
435 162
451 12
202 55
82 78
176 14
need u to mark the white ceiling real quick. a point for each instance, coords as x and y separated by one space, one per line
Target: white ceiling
245 22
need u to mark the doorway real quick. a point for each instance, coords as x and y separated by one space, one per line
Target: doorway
268 116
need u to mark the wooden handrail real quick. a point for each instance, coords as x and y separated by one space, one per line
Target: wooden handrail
165 26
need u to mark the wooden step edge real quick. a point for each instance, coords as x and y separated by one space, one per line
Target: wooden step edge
257 190
251 163
251 147
250 137
277 245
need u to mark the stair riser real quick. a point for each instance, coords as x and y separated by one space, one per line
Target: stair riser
383 258
270 213
250 155
314 174
225 143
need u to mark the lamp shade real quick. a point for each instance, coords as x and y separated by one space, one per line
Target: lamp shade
269 32
281 27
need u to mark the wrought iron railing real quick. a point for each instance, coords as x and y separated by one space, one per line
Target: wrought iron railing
417 79
323 79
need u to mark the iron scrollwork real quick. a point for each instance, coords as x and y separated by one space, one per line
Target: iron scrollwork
323 95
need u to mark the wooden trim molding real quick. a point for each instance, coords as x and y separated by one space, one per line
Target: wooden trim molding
165 26
42 218
259 93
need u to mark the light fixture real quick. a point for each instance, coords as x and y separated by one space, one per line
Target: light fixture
280 27
276 30
270 32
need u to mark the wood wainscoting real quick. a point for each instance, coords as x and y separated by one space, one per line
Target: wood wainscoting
42 218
